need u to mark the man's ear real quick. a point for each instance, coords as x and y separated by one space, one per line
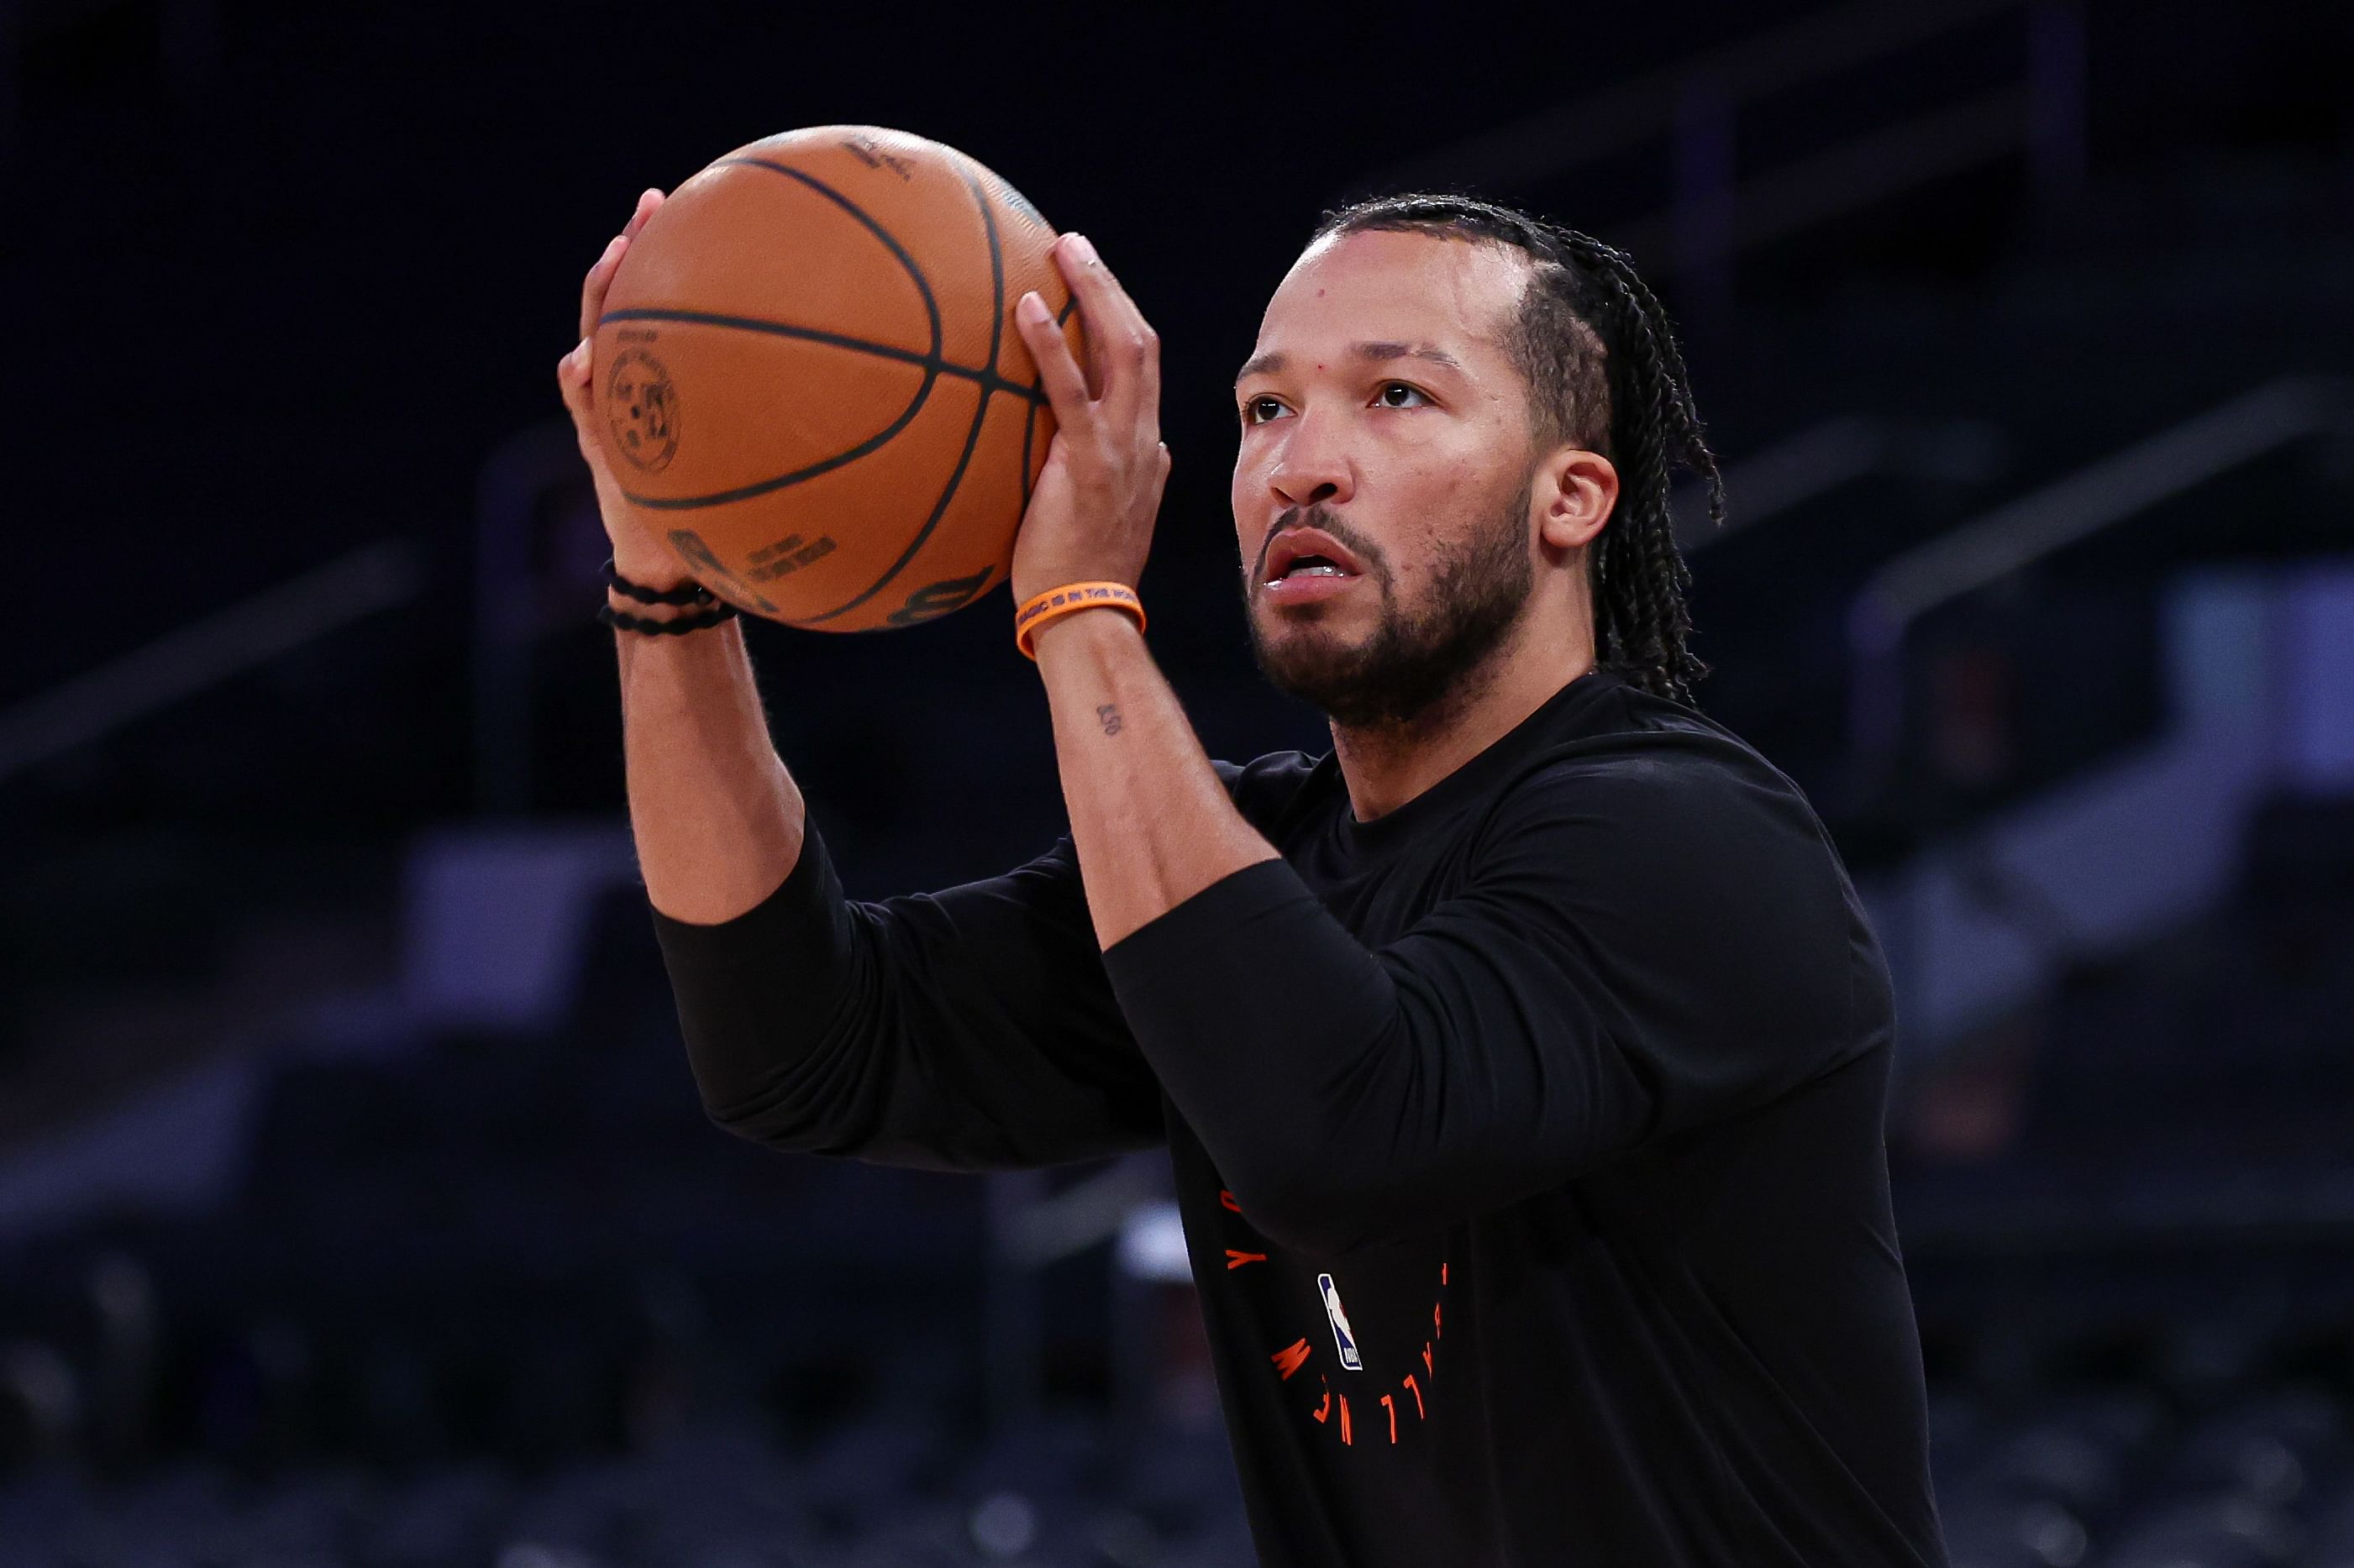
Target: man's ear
1574 494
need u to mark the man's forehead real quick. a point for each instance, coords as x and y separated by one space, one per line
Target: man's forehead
1417 289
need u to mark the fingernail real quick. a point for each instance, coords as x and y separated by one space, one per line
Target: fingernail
1032 308
1084 248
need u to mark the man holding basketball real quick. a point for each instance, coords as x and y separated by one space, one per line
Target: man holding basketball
1521 1061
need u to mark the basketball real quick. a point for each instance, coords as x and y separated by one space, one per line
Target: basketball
808 382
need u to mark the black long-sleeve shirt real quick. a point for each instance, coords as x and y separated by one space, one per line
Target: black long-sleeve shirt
1528 1137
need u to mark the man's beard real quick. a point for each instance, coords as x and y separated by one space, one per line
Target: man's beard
1418 656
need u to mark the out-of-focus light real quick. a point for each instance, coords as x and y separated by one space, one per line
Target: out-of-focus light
1005 1525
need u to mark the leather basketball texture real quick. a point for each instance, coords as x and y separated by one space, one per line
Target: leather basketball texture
808 379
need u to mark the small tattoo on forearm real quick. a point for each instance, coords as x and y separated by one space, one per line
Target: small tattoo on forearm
1109 716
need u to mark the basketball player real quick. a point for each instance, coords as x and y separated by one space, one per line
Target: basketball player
1521 1061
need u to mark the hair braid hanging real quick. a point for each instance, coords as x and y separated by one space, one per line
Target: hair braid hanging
1641 578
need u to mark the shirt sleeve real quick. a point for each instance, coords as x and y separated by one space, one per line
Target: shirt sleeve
1634 949
968 1030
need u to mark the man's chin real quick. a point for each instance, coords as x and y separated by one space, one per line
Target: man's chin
1317 663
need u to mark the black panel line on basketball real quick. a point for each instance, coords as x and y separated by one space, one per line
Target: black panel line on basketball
923 284
825 465
996 273
1037 392
1029 435
980 415
989 380
915 405
933 363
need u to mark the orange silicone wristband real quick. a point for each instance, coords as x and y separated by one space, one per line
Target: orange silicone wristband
1037 611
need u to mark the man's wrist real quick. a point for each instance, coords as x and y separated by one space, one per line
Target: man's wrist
652 567
1104 628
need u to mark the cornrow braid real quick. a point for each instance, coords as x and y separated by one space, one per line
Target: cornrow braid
1605 372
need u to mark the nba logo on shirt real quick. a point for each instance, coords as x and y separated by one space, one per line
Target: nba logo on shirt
1342 1337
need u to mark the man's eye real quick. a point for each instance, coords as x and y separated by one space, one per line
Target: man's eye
1259 410
1396 394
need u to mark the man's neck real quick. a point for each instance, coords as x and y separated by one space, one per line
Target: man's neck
1386 766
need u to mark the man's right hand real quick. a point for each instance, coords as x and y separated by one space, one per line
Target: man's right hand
638 555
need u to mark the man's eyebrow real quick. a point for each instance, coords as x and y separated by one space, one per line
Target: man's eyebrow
1259 365
1378 351
1373 353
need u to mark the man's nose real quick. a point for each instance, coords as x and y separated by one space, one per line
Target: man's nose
1313 469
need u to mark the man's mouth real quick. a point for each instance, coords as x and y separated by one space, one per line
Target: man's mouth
1315 567
1307 581
1306 555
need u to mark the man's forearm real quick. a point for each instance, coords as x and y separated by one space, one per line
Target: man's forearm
1153 823
717 818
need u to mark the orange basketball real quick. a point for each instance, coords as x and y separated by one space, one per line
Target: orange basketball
808 382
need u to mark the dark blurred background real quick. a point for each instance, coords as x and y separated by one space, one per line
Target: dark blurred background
356 1206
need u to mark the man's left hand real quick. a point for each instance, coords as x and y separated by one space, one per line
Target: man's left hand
1091 516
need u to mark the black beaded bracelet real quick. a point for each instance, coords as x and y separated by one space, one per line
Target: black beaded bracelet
692 593
667 626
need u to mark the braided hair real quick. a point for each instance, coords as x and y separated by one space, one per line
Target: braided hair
1606 374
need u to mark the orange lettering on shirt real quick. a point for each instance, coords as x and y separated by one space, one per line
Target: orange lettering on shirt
1417 1388
1325 1409
1344 1419
1388 1404
1428 1370
1228 1200
1291 1358
1236 1259
1437 1330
